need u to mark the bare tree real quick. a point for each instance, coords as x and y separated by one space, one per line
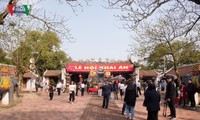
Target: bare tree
54 22
166 32
136 11
37 19
72 3
13 29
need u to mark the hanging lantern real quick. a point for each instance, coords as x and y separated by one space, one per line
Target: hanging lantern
93 73
107 74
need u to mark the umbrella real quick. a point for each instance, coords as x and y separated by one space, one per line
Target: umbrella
168 75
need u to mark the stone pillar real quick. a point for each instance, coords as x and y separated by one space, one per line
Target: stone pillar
11 89
63 77
196 97
137 71
5 99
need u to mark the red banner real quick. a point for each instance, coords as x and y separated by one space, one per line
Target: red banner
113 67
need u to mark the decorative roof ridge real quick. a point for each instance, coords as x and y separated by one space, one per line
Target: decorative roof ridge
7 65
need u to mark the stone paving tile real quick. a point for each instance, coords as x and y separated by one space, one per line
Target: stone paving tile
35 107
88 107
141 113
94 110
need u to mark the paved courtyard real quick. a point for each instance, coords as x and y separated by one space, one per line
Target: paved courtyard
88 107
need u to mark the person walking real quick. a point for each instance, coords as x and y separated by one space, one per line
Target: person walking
59 86
130 97
106 91
115 90
124 104
72 89
51 92
82 89
191 91
121 88
111 90
37 84
170 96
77 88
152 100
138 87
183 94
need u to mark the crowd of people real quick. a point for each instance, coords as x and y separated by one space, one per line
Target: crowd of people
73 89
175 94
129 90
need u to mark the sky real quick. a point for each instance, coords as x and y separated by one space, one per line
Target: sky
97 33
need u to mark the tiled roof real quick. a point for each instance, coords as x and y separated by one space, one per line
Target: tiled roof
183 70
147 73
29 75
97 62
49 73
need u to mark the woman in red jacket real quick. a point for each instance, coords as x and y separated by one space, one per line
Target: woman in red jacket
183 94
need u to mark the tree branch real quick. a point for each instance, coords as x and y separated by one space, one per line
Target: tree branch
5 12
193 24
57 26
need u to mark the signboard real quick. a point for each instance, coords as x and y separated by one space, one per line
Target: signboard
4 69
7 69
113 67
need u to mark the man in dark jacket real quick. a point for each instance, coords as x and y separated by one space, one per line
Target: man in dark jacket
106 91
152 100
148 87
191 91
115 90
130 97
170 96
111 90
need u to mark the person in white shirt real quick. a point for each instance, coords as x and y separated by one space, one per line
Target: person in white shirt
82 89
138 87
59 86
121 87
72 89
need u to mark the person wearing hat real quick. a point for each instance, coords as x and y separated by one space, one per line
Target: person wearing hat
170 97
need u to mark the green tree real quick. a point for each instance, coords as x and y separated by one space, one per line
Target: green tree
43 47
184 55
3 57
